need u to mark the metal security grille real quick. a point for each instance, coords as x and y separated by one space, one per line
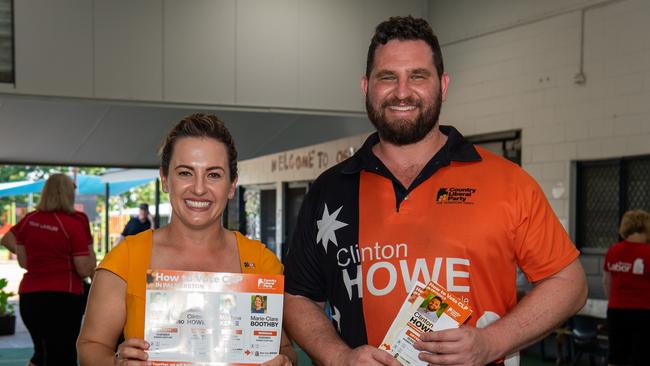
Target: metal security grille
606 189
638 184
6 42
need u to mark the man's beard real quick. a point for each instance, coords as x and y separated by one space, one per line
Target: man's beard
403 131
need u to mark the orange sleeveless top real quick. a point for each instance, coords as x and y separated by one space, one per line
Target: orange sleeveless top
130 261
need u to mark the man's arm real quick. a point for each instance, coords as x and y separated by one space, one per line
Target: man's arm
307 324
119 240
151 221
550 303
9 241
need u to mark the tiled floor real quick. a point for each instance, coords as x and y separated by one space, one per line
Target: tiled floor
15 350
19 340
10 270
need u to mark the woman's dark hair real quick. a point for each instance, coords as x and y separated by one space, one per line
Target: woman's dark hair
405 29
199 125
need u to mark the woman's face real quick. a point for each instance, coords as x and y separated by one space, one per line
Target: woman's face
258 302
198 182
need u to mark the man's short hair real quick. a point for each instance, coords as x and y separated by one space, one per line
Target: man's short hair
634 221
405 29
144 206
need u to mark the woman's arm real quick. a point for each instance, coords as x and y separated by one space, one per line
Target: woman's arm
85 264
607 283
286 348
105 318
9 241
22 256
287 356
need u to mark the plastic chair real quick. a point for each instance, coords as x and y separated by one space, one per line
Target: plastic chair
584 339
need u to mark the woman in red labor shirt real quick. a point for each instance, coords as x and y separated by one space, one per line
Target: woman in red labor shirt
53 245
627 284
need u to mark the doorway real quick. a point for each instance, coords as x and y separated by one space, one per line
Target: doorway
295 193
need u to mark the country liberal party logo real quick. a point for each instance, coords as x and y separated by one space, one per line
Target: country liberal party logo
455 195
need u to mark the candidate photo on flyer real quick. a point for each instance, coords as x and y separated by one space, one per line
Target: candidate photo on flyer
258 304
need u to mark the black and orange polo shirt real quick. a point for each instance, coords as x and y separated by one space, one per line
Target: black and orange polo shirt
362 239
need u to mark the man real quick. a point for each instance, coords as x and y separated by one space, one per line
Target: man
137 224
430 309
371 227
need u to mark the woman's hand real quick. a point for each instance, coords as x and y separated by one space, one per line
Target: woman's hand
132 352
279 360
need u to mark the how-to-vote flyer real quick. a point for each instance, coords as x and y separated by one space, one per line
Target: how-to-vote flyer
427 308
205 318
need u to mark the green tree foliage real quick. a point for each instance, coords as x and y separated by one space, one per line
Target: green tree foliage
143 194
16 173
13 173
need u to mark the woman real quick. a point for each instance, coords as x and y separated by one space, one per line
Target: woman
626 280
52 243
258 305
199 172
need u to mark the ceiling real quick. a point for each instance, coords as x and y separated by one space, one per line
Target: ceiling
63 131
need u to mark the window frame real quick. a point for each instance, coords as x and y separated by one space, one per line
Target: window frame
623 165
12 36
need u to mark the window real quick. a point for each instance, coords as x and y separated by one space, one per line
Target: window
6 42
605 190
506 144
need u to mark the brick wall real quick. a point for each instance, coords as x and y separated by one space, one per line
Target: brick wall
523 78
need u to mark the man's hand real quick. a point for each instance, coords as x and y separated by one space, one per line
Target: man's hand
366 355
463 346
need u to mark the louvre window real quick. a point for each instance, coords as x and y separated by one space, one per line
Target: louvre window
6 42
605 190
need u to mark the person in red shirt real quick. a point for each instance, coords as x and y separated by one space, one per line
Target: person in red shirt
627 285
52 244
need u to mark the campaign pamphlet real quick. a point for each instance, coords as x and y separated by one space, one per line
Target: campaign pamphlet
206 318
427 308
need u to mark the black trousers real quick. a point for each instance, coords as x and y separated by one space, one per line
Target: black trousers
53 320
629 336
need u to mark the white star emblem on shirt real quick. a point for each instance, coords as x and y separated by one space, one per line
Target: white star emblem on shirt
327 225
336 316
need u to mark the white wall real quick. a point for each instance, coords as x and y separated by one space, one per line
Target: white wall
512 65
53 45
128 48
288 54
199 55
459 19
522 77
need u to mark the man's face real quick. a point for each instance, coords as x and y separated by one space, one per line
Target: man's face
142 215
434 304
403 92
